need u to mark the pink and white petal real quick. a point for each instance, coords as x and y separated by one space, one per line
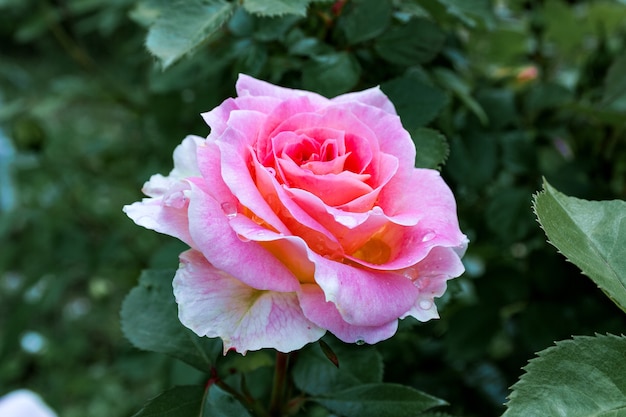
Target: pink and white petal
185 166
431 276
325 314
393 139
364 297
292 251
248 261
332 189
213 303
247 85
297 220
235 156
185 160
166 214
372 97
216 119
350 229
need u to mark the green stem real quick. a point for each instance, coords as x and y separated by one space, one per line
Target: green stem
278 389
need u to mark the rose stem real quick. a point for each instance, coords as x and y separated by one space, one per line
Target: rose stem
278 389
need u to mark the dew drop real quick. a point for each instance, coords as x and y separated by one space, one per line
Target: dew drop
360 342
229 209
243 238
272 171
425 304
429 236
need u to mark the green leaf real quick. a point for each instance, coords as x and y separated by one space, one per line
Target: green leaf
314 374
379 400
591 234
547 96
583 377
185 401
615 85
509 213
470 11
219 403
150 321
183 26
473 160
416 102
276 7
416 42
431 146
363 20
450 81
331 74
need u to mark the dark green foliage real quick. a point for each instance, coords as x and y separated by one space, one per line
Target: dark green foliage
496 98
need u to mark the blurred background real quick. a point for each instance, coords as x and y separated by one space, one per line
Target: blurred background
521 90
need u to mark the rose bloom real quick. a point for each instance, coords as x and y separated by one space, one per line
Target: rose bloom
303 215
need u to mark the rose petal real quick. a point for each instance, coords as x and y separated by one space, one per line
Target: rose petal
156 214
332 189
430 277
213 303
292 251
325 314
228 164
247 85
364 297
166 211
214 237
372 97
390 135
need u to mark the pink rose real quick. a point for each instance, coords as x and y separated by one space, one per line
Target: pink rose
304 214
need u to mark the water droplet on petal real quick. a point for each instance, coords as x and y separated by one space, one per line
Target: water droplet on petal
425 304
272 171
360 341
429 236
377 211
229 209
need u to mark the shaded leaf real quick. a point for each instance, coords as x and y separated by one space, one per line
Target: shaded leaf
416 42
362 20
509 213
150 321
183 26
591 234
185 401
276 7
462 90
473 159
471 11
379 400
431 148
314 374
331 74
219 403
582 377
615 85
416 102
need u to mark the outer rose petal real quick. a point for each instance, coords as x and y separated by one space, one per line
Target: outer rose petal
166 211
325 314
430 277
248 261
364 297
156 214
213 303
248 86
372 97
